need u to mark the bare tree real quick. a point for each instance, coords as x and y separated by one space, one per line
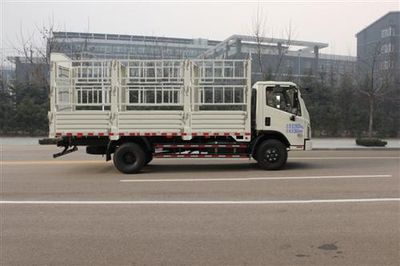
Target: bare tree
376 81
258 32
31 84
31 53
283 49
34 50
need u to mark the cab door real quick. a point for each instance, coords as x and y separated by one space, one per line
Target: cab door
282 112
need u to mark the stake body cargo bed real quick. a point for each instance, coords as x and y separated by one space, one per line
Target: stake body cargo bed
117 98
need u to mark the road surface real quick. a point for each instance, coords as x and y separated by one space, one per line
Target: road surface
325 208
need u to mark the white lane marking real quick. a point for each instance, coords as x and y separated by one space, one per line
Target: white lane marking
253 178
48 162
195 202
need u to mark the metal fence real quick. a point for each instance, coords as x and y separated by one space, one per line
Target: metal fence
89 84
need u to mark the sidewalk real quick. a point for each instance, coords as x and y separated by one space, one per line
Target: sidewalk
348 143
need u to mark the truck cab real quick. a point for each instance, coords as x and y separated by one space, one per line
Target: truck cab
278 108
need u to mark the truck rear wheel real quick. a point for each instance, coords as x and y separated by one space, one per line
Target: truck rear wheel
271 154
129 158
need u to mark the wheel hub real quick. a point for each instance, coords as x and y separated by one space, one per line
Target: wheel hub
271 155
129 158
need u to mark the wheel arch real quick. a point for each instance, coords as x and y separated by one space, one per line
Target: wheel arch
265 135
143 142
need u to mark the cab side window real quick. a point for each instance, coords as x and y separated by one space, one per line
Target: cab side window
283 98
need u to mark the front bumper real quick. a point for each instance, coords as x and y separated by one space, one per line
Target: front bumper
307 145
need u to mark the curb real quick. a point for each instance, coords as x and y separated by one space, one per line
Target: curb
358 149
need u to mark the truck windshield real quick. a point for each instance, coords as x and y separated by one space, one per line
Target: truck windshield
283 98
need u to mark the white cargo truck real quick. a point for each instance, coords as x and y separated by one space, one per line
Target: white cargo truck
137 110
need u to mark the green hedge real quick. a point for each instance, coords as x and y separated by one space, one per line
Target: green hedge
371 142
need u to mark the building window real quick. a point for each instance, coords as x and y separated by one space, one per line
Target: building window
307 65
289 64
386 48
387 32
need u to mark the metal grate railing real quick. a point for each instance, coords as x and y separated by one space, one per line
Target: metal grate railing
90 84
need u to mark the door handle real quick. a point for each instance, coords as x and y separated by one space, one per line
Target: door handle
268 121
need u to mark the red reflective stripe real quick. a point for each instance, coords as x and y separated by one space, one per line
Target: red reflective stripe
165 134
202 145
147 134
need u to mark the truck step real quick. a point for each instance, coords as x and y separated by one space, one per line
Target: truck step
158 155
201 146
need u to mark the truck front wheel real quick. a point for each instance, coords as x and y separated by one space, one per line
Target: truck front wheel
129 158
271 154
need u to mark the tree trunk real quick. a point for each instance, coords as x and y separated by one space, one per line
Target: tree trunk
371 116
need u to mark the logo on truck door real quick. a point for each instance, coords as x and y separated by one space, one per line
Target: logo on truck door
294 128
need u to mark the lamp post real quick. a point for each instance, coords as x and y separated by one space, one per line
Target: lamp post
298 63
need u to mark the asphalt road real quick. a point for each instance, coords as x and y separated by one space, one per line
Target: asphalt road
325 208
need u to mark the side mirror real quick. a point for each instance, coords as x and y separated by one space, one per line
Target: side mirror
292 118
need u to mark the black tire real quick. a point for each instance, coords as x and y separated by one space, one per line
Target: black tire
149 158
254 155
271 154
129 158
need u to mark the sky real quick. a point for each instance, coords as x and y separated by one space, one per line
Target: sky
334 22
